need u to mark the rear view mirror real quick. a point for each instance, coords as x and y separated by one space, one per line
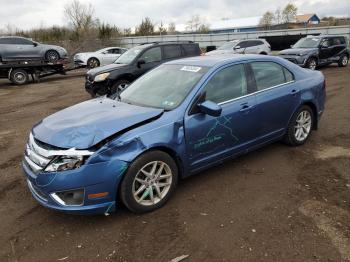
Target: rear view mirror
140 62
210 108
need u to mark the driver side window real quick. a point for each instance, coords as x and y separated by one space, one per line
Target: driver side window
227 84
152 55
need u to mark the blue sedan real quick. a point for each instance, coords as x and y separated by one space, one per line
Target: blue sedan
178 119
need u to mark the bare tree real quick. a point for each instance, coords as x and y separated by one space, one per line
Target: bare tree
172 27
145 28
278 16
289 13
194 23
162 29
80 16
267 20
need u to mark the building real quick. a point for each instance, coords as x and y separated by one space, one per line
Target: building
307 19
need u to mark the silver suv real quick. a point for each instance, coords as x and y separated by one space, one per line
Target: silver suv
14 48
251 46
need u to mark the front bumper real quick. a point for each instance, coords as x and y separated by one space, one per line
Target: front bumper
94 88
299 60
93 178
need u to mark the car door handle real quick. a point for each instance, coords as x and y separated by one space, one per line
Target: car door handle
294 92
245 107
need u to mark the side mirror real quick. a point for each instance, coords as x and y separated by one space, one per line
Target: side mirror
237 47
35 44
140 62
323 46
210 108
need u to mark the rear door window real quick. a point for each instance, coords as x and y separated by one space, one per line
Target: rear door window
268 74
7 41
191 49
172 51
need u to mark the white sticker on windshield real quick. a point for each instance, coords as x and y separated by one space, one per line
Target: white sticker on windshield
193 69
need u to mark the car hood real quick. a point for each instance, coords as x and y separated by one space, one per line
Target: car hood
106 68
297 51
220 52
88 123
55 47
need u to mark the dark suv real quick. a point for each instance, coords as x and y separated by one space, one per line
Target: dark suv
115 77
313 51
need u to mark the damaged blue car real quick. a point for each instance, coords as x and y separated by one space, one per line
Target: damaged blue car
180 118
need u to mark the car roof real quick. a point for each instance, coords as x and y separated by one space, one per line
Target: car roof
323 36
11 36
218 60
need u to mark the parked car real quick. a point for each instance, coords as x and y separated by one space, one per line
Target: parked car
182 117
134 63
314 51
251 46
101 57
19 48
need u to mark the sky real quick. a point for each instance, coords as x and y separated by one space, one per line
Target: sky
28 14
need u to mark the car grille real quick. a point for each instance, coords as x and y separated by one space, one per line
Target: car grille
36 156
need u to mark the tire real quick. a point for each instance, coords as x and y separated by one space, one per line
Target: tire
305 116
93 62
119 86
311 63
138 189
343 61
19 77
262 53
52 56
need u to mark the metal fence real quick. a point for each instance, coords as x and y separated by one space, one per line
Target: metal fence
217 39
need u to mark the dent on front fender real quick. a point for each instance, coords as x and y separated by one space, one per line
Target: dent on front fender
132 144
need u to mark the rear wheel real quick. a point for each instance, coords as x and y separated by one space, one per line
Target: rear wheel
300 126
19 77
343 61
149 182
93 62
311 63
52 56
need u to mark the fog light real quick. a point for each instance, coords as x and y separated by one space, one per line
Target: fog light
69 197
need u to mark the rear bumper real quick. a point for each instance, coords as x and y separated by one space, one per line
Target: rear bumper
93 178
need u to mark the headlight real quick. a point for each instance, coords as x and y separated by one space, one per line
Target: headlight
62 163
101 77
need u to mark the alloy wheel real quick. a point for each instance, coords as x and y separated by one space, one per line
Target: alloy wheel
152 183
345 60
302 126
312 64
52 56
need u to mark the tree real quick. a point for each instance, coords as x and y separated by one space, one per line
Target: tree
171 27
145 28
193 24
162 29
203 29
266 20
278 16
289 13
80 16
127 31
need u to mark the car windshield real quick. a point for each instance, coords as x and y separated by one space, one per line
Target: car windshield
228 45
307 43
129 56
164 87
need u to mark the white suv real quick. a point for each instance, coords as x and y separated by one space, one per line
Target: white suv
251 46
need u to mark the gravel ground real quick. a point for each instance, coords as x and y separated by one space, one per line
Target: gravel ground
275 204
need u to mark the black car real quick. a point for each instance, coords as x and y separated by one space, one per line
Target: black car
313 51
113 78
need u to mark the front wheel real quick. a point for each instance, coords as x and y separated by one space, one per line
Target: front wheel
149 182
119 86
343 61
93 62
52 56
311 63
300 126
